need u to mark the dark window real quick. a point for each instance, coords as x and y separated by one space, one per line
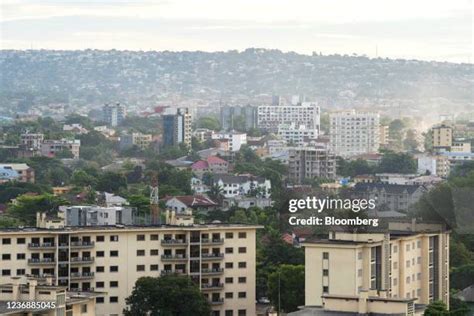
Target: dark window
6 272
242 264
114 253
229 235
20 272
6 241
229 265
242 249
325 255
99 300
154 252
242 294
114 269
154 267
242 312
6 256
99 269
154 237
100 239
141 267
99 253
140 252
113 283
99 284
229 280
325 289
242 235
229 250
242 280
114 238
113 299
229 295
20 241
325 272
140 237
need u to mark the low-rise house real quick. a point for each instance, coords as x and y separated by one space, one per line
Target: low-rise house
246 202
211 164
183 203
75 129
16 171
245 184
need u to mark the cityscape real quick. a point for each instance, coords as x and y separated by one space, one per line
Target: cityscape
238 182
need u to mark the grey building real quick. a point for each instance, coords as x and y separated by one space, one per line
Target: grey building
231 117
92 215
113 114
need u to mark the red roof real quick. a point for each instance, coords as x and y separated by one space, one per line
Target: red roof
215 159
200 164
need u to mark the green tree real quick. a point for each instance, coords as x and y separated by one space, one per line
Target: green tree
397 163
209 122
462 277
171 295
26 206
81 178
111 182
65 153
436 308
286 287
457 307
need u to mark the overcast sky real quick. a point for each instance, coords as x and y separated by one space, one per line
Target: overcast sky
420 29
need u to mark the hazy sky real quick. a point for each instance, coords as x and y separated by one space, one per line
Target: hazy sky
422 29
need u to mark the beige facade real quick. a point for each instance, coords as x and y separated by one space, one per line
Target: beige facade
410 261
442 137
311 162
220 258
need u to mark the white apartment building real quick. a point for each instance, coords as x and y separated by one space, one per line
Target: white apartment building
235 139
408 260
235 185
270 117
436 165
220 258
354 132
296 135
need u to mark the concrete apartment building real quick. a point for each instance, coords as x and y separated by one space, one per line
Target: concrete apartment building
219 258
50 148
231 116
32 141
296 135
140 140
270 117
177 128
408 262
234 140
311 162
113 114
354 132
436 165
442 136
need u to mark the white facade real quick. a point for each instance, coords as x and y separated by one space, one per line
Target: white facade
354 133
236 140
271 116
233 186
435 165
297 135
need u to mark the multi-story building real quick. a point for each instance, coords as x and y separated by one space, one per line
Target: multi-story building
442 136
211 164
22 172
177 128
393 197
296 135
406 261
270 117
461 146
31 141
437 165
113 114
219 258
354 133
235 185
93 215
384 134
234 140
50 148
305 163
140 140
232 117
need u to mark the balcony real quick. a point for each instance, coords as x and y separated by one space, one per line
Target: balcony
212 271
169 272
219 301
82 260
81 276
44 261
174 242
40 276
177 257
195 240
212 256
82 244
210 286
78 290
45 245
215 241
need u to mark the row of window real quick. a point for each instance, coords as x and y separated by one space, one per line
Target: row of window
19 256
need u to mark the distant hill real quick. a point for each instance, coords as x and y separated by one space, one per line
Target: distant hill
94 77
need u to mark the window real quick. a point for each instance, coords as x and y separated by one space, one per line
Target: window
99 253
229 295
154 267
229 235
229 250
6 272
242 249
140 237
242 265
141 267
325 272
140 253
84 308
99 300
242 312
100 239
114 269
113 283
154 237
113 299
242 294
325 289
99 284
154 252
242 235
114 238
408 263
6 256
229 265
6 241
229 312
114 253
20 272
242 280
20 241
229 280
99 269
325 255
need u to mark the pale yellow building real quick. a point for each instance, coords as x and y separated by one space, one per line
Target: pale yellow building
408 261
442 137
219 258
